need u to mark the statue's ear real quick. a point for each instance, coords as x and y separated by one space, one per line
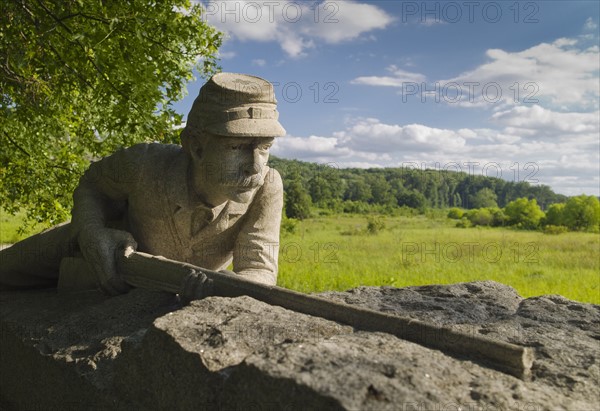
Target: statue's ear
196 148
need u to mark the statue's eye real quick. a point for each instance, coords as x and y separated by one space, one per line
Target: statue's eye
264 147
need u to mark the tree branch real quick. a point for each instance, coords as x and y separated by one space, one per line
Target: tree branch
55 18
14 143
77 73
88 58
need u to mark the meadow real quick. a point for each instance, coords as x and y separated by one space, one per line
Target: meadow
9 227
338 252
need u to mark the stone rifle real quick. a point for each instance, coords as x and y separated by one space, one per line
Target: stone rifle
158 273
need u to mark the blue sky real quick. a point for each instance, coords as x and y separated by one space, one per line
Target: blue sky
499 88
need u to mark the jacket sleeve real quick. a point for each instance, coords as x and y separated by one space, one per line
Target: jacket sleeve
117 175
255 254
103 190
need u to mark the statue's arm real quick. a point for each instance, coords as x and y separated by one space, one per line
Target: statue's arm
100 197
255 255
92 206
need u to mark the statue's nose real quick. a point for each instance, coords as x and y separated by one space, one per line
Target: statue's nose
253 166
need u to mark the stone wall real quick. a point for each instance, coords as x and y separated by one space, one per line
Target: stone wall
144 351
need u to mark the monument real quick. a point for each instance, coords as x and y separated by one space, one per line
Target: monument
211 202
193 209
173 218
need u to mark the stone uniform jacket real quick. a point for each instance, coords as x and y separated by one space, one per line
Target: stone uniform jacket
149 181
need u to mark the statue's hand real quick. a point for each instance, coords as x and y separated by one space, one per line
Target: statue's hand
195 287
101 248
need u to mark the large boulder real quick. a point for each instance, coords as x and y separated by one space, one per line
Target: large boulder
144 350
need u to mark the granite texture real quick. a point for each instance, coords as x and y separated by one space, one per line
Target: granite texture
143 350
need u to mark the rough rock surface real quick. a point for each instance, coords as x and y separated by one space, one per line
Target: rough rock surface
144 351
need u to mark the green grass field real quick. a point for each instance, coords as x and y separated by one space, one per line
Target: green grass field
9 227
337 253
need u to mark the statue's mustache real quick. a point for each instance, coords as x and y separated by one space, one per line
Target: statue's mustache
234 180
249 176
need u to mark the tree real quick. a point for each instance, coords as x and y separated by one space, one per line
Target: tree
325 185
524 213
555 215
412 199
81 78
582 213
380 189
358 190
297 200
485 197
457 200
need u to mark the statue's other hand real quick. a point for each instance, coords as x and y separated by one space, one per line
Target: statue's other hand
101 248
195 287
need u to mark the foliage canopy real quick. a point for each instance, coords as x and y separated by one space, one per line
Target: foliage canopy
297 200
81 78
359 190
524 213
485 197
582 213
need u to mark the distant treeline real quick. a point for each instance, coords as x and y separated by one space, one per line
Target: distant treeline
379 189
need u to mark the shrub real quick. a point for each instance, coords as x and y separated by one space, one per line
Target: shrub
555 215
481 216
455 213
582 213
555 229
355 207
463 223
524 213
356 230
375 224
499 218
289 225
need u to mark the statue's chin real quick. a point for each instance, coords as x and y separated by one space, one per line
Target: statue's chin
240 195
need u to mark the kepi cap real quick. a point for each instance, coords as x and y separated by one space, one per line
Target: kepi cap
236 105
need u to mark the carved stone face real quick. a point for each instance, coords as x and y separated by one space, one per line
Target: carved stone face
229 168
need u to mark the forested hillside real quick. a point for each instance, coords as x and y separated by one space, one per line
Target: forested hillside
351 189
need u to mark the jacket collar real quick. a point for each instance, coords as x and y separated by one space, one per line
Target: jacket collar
179 195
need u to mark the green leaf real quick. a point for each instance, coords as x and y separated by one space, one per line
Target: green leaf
78 89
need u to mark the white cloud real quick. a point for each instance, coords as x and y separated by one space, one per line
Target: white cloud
555 141
399 78
309 147
562 74
313 148
259 62
536 120
296 26
567 161
294 46
590 24
558 74
247 20
370 135
338 21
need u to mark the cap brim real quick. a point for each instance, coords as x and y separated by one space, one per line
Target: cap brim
248 127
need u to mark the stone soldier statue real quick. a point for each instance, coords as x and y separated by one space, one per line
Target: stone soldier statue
211 201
